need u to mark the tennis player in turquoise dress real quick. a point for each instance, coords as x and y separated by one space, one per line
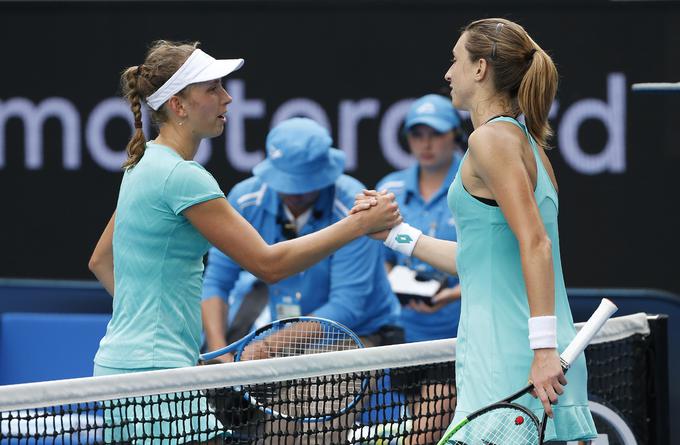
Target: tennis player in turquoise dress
515 316
493 340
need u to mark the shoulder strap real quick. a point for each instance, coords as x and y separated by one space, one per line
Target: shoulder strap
504 118
521 126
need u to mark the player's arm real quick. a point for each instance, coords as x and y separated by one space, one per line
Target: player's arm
438 253
227 230
496 159
101 261
441 299
495 156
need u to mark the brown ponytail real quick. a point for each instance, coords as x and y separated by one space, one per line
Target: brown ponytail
536 94
521 69
137 144
139 82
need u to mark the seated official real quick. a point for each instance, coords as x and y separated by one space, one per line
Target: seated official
297 190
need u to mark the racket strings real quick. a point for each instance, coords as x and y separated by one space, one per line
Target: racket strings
298 338
315 397
309 397
499 426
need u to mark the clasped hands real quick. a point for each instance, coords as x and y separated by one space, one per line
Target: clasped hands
369 201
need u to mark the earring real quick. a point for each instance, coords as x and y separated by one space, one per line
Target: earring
181 123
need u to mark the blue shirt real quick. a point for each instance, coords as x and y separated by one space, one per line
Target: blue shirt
239 293
350 286
434 219
157 264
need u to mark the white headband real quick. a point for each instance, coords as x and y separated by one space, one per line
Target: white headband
199 67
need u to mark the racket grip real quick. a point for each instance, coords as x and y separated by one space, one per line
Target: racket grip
587 332
217 352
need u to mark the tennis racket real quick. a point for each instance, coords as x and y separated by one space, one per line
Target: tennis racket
508 423
310 399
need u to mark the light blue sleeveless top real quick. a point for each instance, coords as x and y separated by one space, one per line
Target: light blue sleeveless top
493 357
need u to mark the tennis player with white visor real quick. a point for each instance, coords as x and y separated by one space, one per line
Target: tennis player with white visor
169 211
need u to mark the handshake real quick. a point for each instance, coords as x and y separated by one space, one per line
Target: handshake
378 211
396 234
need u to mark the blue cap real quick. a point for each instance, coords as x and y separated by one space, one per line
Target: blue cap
300 158
434 111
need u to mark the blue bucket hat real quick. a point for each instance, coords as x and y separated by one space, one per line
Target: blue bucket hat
300 158
434 111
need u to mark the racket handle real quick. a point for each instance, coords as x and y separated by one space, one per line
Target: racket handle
217 352
587 332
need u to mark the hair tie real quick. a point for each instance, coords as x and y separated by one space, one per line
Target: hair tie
139 71
531 54
138 124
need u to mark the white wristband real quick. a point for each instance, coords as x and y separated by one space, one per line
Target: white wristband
403 238
543 332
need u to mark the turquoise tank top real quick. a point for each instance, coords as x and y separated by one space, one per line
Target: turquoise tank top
493 357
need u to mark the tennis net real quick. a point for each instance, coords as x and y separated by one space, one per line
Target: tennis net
402 394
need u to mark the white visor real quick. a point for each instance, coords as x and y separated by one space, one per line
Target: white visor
199 67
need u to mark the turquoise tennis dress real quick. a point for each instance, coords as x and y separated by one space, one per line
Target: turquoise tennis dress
493 357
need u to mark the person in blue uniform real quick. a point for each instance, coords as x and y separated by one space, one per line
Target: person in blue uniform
300 189
515 316
436 140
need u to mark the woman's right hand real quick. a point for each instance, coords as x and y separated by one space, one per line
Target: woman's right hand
547 377
381 215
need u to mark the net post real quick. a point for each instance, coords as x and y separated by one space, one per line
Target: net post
657 396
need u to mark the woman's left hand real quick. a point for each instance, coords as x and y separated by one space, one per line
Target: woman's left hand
547 377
